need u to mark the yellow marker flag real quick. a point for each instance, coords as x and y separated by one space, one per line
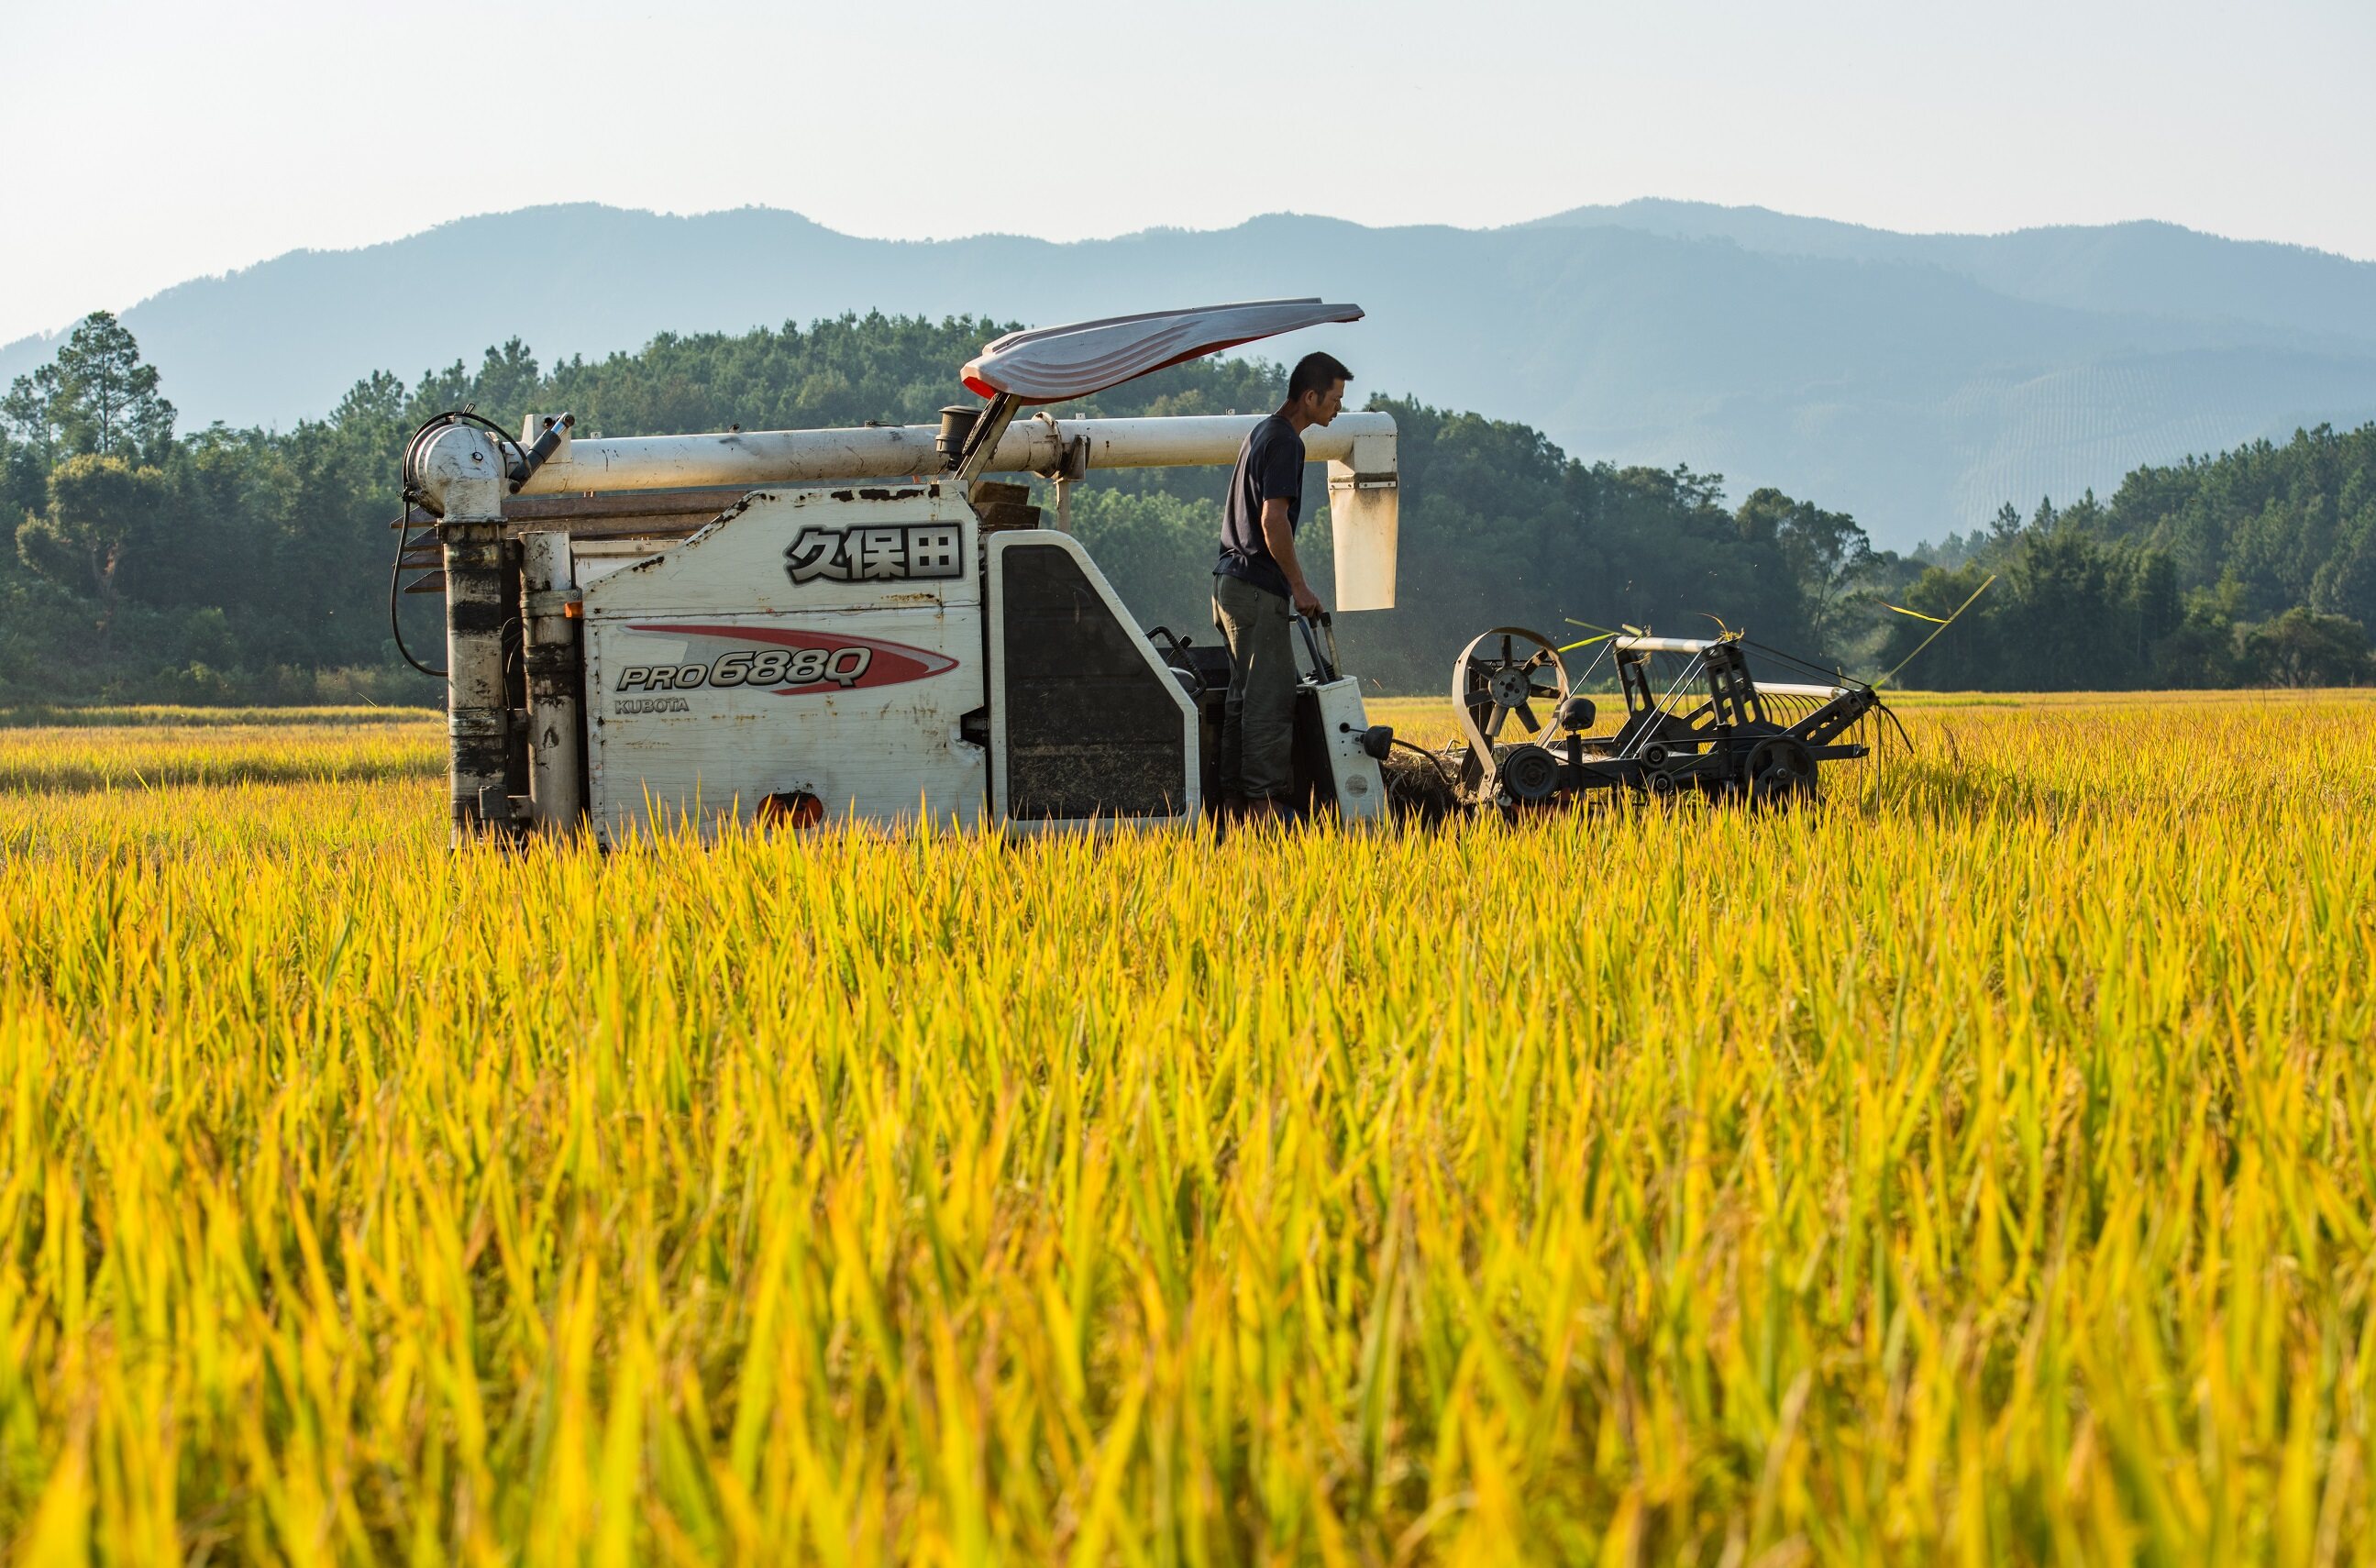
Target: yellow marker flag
1605 634
1935 636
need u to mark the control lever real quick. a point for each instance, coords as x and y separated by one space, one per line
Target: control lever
1323 665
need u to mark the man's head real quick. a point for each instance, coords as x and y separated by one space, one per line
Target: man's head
1315 388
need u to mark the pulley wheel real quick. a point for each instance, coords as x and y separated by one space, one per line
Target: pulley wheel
1781 772
1528 773
1500 678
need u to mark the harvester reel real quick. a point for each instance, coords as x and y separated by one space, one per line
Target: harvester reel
1499 677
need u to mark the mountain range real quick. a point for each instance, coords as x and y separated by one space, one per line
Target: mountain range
1915 380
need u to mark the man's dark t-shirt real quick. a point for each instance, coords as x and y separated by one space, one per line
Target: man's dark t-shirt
1270 467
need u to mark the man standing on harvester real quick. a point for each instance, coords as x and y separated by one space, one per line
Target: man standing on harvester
1258 584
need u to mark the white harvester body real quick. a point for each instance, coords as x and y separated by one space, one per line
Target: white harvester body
727 668
846 639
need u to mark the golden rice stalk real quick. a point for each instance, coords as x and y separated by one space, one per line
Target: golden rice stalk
1976 1167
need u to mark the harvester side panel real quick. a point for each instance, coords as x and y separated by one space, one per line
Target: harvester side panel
818 645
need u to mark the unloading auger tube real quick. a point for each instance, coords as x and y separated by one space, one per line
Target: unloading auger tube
796 626
1710 728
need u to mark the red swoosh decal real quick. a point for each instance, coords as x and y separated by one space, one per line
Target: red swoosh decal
892 662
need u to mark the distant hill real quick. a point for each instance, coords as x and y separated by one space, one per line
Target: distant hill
1915 380
2131 269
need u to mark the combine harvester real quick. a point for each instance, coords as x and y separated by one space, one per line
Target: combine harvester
797 627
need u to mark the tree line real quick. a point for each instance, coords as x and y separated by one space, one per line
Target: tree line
2253 567
249 565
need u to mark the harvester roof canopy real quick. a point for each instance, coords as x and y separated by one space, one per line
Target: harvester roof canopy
1049 364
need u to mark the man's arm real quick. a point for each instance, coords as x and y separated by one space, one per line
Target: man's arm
1279 538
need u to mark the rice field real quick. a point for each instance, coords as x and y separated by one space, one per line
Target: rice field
1975 1168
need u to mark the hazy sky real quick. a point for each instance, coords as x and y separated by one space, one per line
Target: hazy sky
143 142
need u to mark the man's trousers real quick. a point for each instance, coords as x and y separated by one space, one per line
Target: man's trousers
1258 723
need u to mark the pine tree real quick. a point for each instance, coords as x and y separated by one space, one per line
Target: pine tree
105 400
